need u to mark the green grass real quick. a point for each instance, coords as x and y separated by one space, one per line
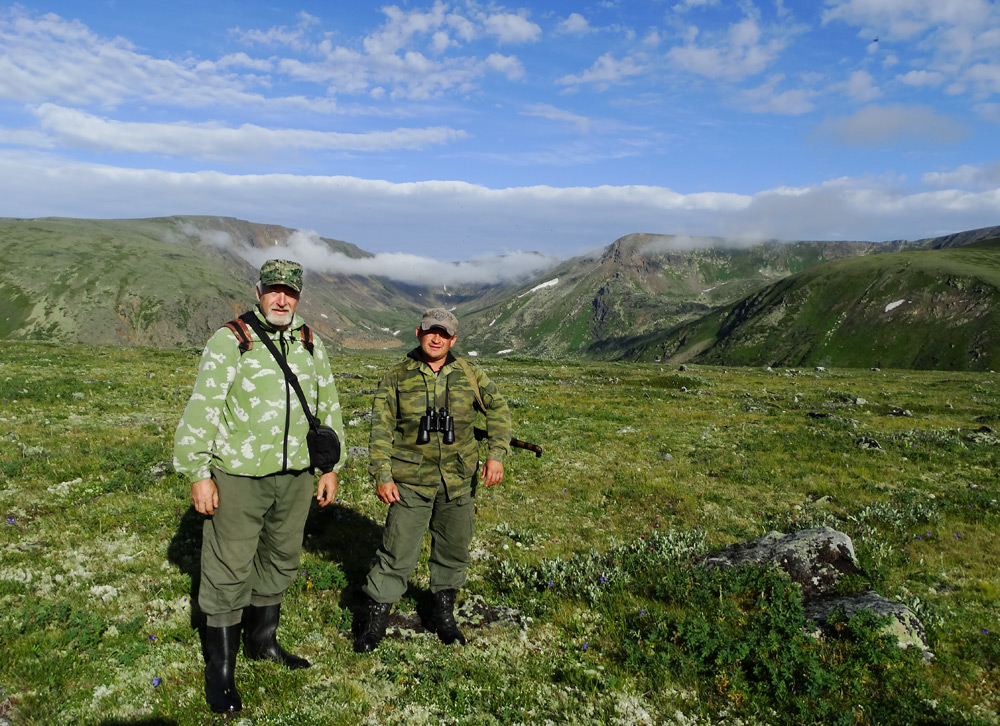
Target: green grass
644 465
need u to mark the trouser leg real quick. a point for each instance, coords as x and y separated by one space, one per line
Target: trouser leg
397 556
252 544
279 550
229 545
451 527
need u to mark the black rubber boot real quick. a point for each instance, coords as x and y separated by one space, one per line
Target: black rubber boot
443 618
220 647
260 641
374 631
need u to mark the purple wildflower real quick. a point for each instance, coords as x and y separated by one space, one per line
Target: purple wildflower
157 682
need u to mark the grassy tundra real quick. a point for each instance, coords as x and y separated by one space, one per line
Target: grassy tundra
582 607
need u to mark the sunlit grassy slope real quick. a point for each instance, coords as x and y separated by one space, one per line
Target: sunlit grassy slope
934 309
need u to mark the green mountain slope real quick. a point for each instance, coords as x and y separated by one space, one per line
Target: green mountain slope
170 282
642 284
927 309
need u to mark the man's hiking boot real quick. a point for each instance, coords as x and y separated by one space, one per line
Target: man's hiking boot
374 630
260 641
443 618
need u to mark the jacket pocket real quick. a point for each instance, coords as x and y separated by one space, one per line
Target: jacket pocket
405 465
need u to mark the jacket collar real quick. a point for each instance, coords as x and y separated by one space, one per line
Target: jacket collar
418 355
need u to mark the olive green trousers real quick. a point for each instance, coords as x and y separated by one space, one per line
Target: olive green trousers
251 546
451 525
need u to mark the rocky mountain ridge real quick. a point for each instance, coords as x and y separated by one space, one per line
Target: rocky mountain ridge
170 282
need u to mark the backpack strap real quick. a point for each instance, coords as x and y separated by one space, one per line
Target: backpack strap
467 369
242 333
241 330
307 338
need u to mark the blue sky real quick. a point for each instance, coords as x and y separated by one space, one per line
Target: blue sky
465 130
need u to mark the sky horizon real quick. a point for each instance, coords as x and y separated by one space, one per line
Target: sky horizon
465 130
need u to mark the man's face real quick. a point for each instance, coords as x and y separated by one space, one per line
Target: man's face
435 343
278 303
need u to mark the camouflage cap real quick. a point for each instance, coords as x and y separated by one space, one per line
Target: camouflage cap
282 272
439 318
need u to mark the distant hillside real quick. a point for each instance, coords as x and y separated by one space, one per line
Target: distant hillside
640 284
171 281
937 308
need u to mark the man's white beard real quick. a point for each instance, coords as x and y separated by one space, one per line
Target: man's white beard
278 320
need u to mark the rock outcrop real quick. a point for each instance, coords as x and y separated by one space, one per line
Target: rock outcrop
817 559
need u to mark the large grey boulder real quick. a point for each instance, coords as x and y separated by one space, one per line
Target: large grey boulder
903 624
817 559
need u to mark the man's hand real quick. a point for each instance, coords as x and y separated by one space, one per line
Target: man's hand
205 496
326 489
387 492
492 472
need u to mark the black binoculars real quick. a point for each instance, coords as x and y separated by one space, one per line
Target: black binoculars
439 420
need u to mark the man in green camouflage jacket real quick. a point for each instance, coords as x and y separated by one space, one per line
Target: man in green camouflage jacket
430 484
242 442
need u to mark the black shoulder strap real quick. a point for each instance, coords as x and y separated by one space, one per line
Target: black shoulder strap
292 379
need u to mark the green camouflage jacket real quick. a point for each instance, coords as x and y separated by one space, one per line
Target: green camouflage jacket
402 398
243 417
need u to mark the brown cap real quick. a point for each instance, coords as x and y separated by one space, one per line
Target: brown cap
439 318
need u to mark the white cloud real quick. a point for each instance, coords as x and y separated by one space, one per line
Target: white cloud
605 72
575 24
509 65
860 87
988 112
903 19
766 99
892 124
966 176
423 218
740 53
545 110
307 248
922 78
510 28
214 141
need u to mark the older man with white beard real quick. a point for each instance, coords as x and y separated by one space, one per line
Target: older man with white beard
242 442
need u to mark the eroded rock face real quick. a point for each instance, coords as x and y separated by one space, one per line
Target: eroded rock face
815 558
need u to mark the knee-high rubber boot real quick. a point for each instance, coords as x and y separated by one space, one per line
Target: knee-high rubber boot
260 637
374 630
443 618
220 648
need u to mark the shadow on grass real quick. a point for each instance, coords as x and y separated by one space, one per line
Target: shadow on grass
184 551
337 534
141 722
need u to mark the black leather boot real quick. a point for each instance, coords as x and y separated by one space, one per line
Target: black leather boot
443 618
220 647
374 630
260 641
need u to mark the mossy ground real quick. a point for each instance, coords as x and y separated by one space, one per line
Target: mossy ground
580 551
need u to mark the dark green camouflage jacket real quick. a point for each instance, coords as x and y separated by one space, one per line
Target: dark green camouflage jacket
402 398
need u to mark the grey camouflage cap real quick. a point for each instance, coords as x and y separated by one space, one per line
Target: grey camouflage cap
282 272
439 318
